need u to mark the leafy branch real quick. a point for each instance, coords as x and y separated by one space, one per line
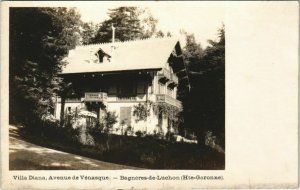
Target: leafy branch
141 112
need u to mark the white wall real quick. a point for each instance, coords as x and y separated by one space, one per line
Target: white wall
147 126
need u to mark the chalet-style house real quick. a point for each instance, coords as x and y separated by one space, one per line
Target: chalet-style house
120 75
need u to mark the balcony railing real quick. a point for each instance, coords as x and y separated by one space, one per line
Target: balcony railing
125 98
168 99
69 100
95 96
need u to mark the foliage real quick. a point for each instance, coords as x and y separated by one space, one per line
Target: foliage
158 133
148 23
130 23
139 133
109 120
204 106
210 141
49 120
169 111
88 32
169 34
193 52
103 128
128 130
36 58
141 112
160 34
147 152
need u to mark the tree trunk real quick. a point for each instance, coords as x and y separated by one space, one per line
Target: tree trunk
62 111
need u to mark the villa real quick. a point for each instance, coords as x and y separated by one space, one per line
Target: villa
125 77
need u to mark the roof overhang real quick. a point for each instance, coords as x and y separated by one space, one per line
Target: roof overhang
138 71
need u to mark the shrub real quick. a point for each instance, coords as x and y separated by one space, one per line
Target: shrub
141 112
138 133
211 140
109 120
129 131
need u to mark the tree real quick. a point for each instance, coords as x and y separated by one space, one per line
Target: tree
36 57
88 32
148 23
192 54
160 34
204 106
110 119
169 34
130 23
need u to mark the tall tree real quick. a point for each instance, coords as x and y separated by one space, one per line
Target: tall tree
130 23
192 53
36 57
205 104
148 23
88 32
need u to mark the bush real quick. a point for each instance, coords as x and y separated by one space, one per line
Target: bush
129 131
141 112
158 135
146 151
139 133
110 119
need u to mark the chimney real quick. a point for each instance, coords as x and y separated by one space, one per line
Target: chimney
113 42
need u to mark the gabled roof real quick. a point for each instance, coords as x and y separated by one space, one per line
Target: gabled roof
128 55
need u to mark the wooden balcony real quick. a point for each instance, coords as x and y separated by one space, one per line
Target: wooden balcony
163 98
95 97
165 76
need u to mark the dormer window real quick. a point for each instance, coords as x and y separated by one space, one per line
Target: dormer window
102 56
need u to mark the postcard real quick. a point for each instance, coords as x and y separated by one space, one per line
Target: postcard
149 95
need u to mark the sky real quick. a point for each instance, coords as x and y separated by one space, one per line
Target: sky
202 19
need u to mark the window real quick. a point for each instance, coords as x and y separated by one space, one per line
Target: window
112 90
127 89
141 87
125 115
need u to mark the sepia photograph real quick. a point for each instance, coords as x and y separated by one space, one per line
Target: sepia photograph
114 88
148 95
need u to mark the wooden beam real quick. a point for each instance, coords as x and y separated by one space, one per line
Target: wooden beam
182 70
185 77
